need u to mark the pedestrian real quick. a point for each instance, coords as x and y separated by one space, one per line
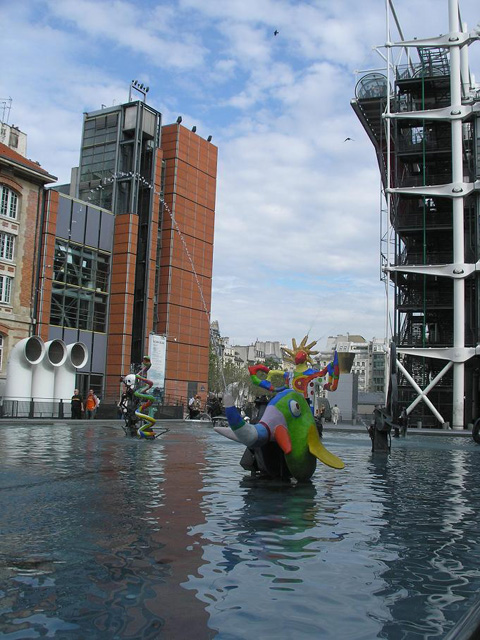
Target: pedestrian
214 406
91 404
335 414
194 407
77 405
319 413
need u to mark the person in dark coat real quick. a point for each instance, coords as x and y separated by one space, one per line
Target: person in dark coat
77 405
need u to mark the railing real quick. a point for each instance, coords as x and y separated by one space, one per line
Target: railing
58 410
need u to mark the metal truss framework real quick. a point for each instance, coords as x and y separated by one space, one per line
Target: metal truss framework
462 106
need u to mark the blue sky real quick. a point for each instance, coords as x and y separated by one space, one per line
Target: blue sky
297 217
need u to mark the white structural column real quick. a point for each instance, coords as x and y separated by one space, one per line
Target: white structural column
458 215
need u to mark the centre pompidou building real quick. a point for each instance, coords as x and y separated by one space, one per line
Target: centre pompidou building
422 114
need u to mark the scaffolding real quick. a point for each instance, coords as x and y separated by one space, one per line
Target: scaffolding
422 114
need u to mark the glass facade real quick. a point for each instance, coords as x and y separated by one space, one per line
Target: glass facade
116 161
79 292
117 171
98 159
81 267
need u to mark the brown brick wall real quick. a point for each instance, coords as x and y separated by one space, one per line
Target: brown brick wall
16 318
183 309
121 303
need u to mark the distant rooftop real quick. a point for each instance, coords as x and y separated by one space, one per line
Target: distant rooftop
12 157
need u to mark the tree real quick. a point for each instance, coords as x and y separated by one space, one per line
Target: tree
231 375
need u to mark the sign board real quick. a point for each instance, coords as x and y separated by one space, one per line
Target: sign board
157 350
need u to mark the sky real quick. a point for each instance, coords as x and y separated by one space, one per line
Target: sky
297 231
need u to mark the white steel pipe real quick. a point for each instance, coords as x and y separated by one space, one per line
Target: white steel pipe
457 214
26 354
43 377
77 357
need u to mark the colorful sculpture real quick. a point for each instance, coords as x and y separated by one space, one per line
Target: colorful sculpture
304 373
285 442
135 402
146 429
288 423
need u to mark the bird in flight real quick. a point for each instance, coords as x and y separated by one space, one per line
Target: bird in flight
275 33
349 139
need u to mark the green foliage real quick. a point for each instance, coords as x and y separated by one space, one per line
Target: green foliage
230 375
272 363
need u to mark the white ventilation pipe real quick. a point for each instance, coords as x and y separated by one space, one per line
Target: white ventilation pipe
43 377
25 355
77 357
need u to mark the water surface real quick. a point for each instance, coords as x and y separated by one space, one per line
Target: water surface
108 537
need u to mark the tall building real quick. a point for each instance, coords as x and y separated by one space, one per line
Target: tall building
22 183
422 115
260 351
128 249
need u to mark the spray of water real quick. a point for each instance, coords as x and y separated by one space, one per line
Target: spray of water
147 185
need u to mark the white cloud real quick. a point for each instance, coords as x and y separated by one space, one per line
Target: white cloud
297 223
133 27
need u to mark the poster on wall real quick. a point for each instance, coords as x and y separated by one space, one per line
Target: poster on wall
157 350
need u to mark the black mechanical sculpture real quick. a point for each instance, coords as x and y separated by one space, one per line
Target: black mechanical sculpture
387 418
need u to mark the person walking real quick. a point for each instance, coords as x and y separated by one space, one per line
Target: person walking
335 414
91 404
194 406
76 405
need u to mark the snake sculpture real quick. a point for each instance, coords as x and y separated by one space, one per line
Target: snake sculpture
146 427
135 402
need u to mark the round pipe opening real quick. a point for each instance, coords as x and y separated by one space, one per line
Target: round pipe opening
34 349
57 352
78 355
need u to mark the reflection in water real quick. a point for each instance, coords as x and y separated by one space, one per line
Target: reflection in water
430 519
109 537
372 552
96 531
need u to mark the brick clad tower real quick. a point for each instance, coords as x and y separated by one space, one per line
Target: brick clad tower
122 291
184 293
126 259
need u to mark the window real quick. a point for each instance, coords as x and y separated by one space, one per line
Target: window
79 293
7 246
8 202
78 309
13 141
5 289
80 266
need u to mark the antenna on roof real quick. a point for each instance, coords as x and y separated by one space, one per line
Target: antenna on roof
138 86
5 106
